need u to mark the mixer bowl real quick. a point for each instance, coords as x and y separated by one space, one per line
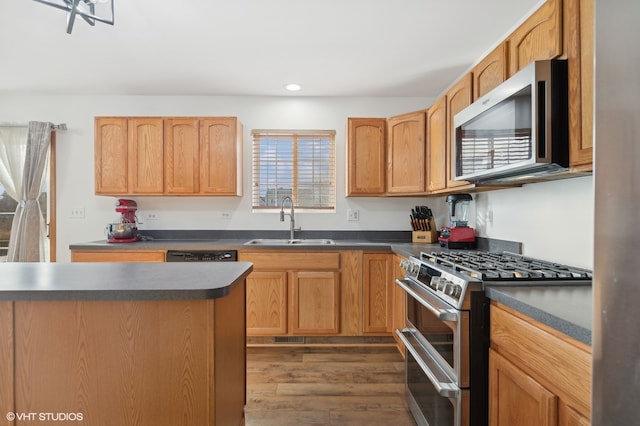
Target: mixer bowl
121 231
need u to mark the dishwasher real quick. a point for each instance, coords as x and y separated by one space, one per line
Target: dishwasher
201 256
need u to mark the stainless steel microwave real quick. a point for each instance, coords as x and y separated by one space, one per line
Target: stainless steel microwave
518 132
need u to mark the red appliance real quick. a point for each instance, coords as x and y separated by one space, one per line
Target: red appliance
458 235
125 231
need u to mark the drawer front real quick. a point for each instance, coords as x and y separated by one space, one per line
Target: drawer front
288 260
118 256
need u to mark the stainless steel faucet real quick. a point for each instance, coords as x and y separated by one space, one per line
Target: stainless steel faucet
292 224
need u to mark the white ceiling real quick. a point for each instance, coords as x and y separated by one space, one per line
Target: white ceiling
252 47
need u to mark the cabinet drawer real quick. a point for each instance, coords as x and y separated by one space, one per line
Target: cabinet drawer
308 260
118 256
561 363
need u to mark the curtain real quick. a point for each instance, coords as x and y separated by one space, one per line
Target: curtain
13 149
28 232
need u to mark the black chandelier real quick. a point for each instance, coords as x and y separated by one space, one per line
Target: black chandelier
89 10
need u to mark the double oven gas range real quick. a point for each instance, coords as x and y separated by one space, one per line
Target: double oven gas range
446 334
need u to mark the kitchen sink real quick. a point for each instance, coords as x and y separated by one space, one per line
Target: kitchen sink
288 242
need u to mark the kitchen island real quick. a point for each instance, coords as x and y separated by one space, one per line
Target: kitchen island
123 343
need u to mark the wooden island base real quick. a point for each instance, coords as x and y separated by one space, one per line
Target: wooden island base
140 362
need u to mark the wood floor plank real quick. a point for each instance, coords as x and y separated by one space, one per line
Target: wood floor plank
327 403
325 386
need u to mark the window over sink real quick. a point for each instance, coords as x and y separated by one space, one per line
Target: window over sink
294 163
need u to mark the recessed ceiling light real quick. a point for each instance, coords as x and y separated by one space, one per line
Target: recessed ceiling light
292 87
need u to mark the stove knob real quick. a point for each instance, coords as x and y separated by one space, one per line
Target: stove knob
449 289
404 264
456 291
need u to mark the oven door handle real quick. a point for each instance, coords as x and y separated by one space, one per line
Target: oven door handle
444 389
441 314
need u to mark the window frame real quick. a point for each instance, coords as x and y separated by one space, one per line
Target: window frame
294 192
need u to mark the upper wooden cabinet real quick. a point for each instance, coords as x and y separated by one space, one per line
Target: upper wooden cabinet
366 165
146 156
538 38
168 156
437 145
490 71
406 150
221 156
440 138
579 26
182 155
458 98
111 156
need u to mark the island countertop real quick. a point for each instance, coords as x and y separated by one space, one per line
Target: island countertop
120 281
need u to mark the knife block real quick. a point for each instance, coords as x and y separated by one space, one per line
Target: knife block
426 237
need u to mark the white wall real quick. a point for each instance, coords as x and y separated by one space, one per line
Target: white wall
553 220
527 214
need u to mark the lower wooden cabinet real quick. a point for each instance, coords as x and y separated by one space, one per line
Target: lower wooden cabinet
518 399
399 303
315 302
267 303
293 293
378 293
117 255
331 293
537 375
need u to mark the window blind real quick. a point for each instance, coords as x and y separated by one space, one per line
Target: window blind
296 164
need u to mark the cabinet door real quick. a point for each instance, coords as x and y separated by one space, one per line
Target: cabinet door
110 154
221 156
266 303
579 40
490 71
406 154
399 303
437 145
146 155
182 156
539 37
315 302
517 399
378 293
366 156
458 98
567 416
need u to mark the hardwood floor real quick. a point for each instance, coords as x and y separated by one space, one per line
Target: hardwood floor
325 386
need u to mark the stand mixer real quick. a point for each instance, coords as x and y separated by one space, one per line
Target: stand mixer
458 235
125 231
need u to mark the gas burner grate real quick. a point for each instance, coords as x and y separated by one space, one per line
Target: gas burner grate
504 266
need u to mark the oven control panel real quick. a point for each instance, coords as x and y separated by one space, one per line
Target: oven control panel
448 286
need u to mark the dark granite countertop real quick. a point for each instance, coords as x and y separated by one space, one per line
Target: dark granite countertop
120 281
229 244
568 309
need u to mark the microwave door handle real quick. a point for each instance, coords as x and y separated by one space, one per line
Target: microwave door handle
443 389
442 314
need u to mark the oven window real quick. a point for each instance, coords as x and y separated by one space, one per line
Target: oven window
436 409
436 332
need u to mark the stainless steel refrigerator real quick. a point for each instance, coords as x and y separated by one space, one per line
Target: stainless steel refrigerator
616 285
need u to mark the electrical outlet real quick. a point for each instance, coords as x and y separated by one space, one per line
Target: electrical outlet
353 215
490 217
226 215
77 213
151 216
